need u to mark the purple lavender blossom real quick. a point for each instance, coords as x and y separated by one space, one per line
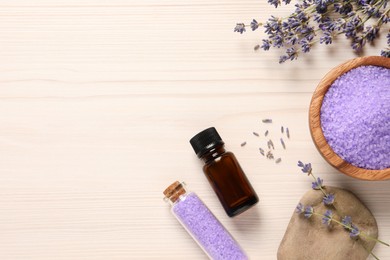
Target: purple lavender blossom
363 2
347 221
371 32
385 53
306 168
354 231
358 43
254 25
292 53
305 45
300 208
283 58
317 185
326 38
343 7
328 199
321 7
308 211
266 45
327 218
240 27
275 3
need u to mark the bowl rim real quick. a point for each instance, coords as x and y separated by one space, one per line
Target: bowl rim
315 121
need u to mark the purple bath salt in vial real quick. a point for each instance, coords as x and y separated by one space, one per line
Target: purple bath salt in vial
201 224
355 117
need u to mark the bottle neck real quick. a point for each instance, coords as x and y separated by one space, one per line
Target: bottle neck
174 192
213 153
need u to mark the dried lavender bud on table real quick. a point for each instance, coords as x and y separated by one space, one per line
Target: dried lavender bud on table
283 144
270 155
270 144
261 151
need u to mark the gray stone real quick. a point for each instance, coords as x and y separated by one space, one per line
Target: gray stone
310 239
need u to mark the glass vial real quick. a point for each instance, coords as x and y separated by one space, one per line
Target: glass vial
201 224
224 173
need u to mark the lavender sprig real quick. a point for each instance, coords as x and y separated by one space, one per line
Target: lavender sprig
328 216
322 21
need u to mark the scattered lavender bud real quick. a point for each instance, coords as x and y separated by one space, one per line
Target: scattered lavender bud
271 145
256 134
261 151
282 129
270 155
267 121
243 144
266 133
283 144
278 160
287 133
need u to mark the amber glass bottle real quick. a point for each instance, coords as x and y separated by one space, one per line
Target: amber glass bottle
224 173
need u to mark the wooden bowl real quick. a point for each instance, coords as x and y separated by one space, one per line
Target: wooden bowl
315 121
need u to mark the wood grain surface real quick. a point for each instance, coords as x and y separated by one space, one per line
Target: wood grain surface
98 100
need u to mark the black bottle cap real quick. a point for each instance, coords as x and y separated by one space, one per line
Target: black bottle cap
205 141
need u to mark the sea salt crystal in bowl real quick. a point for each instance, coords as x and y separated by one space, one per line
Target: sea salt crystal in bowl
349 118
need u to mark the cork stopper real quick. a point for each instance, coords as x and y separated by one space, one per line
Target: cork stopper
174 191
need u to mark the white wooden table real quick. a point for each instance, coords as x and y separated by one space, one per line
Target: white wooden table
98 100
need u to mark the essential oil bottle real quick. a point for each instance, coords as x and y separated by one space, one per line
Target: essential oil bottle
224 173
201 224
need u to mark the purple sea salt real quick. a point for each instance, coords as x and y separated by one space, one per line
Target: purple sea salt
206 229
355 117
